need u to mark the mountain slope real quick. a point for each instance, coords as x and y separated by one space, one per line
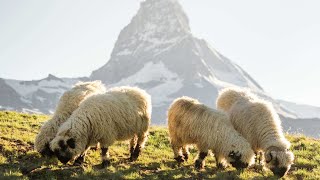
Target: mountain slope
302 110
39 96
9 97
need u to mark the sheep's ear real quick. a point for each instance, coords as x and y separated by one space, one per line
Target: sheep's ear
71 143
232 154
235 155
268 157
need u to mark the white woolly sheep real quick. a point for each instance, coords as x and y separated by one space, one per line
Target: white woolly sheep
191 122
258 122
68 102
120 114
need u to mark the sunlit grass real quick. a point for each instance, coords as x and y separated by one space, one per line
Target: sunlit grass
18 160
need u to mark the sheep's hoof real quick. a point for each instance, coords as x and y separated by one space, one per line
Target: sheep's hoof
77 163
186 157
135 154
179 159
199 164
133 158
105 163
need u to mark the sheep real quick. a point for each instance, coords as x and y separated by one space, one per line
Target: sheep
257 121
191 122
68 102
122 113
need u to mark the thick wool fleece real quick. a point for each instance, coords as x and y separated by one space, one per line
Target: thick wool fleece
191 122
228 96
260 124
119 114
68 102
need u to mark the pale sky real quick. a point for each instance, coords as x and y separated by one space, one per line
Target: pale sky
276 42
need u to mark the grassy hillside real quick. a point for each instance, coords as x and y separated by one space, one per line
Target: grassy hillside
18 160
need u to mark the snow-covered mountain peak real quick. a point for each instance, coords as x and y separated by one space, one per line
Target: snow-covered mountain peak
164 13
158 26
158 19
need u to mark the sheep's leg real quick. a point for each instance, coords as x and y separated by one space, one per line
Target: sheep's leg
260 159
220 162
256 157
176 147
105 157
199 164
140 144
185 152
80 160
133 143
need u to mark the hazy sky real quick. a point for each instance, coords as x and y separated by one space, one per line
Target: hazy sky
276 42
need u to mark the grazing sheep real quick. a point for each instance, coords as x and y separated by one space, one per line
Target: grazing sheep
121 113
68 102
191 122
258 122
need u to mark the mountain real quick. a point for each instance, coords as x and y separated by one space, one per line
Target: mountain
39 96
157 51
10 98
301 110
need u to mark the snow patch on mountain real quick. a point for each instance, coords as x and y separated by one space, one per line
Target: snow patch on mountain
51 84
157 79
38 96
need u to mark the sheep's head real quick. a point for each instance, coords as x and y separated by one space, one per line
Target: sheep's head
64 147
240 160
279 162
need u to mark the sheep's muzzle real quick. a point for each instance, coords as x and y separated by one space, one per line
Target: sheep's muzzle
279 171
63 158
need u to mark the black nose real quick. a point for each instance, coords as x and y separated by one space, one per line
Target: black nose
63 160
280 172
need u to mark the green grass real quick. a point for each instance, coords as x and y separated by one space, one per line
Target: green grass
18 160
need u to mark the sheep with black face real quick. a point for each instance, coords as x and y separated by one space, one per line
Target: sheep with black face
121 113
257 121
191 122
68 102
